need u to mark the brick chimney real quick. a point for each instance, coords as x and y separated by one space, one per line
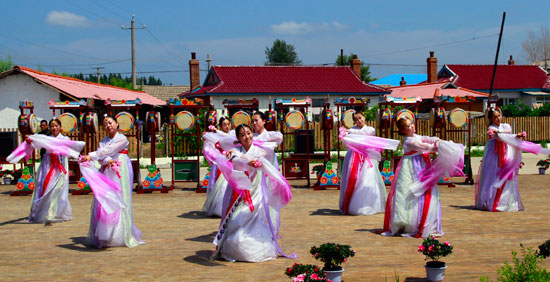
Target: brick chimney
511 61
194 72
402 82
432 67
356 65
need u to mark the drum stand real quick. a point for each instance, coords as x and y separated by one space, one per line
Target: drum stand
27 185
187 170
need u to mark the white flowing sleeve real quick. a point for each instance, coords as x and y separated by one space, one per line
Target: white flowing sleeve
366 130
506 128
421 146
274 136
107 152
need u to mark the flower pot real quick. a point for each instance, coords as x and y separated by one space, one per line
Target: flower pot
334 275
542 170
7 181
435 273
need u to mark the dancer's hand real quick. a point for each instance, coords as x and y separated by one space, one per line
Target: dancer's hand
28 140
87 158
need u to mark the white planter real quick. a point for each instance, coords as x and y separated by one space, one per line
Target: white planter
435 273
334 275
542 170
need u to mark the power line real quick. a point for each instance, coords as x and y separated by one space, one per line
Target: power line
92 64
163 46
93 13
107 8
51 48
430 46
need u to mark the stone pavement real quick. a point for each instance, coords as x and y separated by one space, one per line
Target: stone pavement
179 239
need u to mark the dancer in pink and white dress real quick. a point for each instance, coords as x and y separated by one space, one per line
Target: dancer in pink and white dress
50 198
497 182
217 183
247 230
362 190
117 166
413 207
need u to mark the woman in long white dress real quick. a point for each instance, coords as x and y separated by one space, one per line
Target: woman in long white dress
362 190
247 231
497 184
406 213
50 199
116 165
217 183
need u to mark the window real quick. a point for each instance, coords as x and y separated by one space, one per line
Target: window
542 100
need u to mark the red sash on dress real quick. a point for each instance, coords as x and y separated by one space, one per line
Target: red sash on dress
54 164
500 151
427 199
356 160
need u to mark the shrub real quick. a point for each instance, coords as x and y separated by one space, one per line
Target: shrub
527 269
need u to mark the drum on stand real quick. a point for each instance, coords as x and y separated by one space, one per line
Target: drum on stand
347 118
125 121
294 120
438 117
153 121
69 122
92 122
458 117
185 120
239 118
405 113
383 118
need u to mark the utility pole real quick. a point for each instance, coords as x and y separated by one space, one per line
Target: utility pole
208 60
98 68
132 29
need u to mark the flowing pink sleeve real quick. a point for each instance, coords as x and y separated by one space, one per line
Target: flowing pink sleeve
415 145
450 159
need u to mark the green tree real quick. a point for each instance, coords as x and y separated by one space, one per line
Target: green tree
281 53
6 64
365 69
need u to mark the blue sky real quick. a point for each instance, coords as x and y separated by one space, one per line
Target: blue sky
394 36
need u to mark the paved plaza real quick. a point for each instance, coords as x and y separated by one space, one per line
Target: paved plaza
179 237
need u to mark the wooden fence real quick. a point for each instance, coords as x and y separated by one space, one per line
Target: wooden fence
537 128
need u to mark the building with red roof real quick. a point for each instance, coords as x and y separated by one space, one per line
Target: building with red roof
527 84
21 83
267 83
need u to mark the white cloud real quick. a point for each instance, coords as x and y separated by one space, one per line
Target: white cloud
64 18
294 28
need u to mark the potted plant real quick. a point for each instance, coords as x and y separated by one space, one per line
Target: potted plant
10 176
305 272
543 165
333 255
433 250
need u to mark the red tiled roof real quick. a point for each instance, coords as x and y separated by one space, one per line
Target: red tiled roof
83 89
427 91
478 77
286 79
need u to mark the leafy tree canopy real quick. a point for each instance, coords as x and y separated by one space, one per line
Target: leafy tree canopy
281 53
5 64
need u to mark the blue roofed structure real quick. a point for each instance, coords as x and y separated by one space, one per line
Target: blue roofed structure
395 79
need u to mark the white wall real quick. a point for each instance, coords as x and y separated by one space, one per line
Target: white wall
20 87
